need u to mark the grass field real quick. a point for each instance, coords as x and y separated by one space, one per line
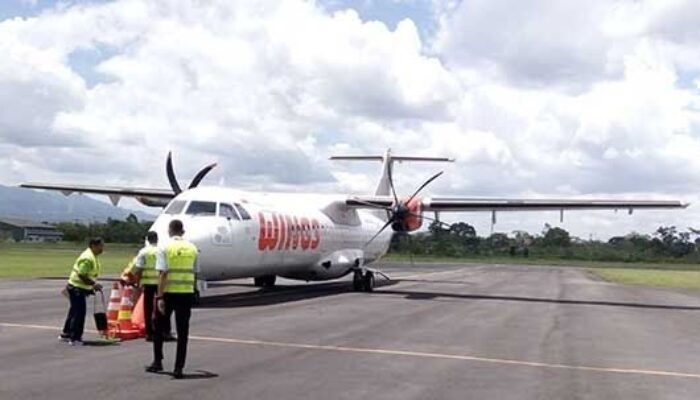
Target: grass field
29 260
650 277
675 266
36 260
669 275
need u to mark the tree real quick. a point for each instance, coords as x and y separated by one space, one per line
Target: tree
555 237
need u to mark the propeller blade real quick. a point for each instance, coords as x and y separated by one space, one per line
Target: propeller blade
367 203
430 219
380 231
423 186
200 175
171 174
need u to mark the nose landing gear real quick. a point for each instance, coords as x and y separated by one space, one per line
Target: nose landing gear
265 281
363 281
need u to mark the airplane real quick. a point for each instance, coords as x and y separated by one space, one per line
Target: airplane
310 237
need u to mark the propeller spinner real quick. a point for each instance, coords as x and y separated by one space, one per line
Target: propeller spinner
403 215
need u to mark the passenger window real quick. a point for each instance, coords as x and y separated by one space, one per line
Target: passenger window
227 211
242 211
175 207
201 208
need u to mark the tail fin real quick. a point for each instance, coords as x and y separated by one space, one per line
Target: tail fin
384 187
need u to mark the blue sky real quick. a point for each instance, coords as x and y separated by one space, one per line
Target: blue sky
391 12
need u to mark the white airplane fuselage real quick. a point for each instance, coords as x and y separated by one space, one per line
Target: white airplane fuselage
296 236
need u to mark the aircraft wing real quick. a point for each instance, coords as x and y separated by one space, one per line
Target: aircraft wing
440 204
149 197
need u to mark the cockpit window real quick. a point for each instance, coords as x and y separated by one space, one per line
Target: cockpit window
242 211
201 208
175 207
227 211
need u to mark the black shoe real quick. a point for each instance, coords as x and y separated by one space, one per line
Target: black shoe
155 367
177 374
169 338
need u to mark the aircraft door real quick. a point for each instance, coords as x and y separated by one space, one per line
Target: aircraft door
222 235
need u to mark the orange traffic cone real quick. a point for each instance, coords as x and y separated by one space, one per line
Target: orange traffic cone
138 320
126 330
115 300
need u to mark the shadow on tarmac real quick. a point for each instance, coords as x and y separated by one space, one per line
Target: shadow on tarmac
281 294
423 295
286 294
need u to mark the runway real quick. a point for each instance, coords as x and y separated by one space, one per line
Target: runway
437 331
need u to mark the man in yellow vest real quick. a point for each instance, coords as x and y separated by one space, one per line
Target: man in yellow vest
145 273
82 283
177 266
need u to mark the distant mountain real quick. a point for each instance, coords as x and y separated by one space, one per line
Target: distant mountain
55 207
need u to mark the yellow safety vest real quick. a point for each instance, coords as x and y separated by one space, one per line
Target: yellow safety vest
149 276
86 264
180 256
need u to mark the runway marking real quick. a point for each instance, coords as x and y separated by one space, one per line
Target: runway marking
422 275
416 354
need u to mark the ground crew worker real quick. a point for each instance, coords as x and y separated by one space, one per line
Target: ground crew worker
177 266
82 283
144 272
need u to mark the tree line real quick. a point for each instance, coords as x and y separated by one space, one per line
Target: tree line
461 240
131 230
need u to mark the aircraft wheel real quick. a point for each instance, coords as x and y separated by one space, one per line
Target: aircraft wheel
265 281
369 281
197 298
358 283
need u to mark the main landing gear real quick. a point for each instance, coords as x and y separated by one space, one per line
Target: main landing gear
265 281
363 281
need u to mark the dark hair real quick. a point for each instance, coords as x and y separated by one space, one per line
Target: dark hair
96 241
152 237
176 226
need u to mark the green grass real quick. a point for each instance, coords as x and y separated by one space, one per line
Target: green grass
651 277
547 261
36 260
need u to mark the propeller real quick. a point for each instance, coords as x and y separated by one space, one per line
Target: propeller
170 171
400 211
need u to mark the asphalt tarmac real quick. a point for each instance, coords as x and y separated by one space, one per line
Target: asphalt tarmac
436 332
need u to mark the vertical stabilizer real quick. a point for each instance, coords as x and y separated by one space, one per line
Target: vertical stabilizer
385 180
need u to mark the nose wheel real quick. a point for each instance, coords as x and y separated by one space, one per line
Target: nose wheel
363 281
265 281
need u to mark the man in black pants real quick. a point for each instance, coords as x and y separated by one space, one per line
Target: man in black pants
81 283
147 276
177 265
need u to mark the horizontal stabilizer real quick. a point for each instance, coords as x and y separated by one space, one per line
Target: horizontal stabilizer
393 158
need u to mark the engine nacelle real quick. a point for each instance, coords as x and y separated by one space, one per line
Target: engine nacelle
408 216
334 265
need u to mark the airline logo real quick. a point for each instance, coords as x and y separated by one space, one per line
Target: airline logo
287 232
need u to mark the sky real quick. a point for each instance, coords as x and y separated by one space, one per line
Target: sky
544 98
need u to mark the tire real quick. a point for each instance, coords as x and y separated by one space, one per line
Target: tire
197 298
369 281
265 281
358 283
